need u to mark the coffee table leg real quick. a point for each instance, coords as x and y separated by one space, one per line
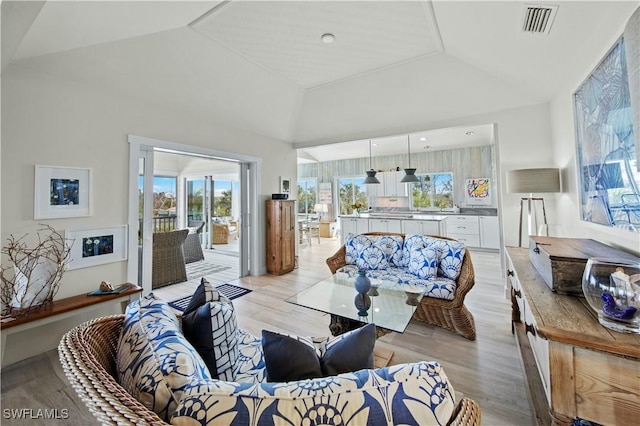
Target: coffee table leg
340 325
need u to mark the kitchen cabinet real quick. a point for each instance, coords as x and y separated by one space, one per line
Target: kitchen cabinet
390 185
385 225
353 225
489 232
465 229
281 236
423 227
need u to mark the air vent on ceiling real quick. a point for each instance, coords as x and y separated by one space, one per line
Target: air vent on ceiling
538 18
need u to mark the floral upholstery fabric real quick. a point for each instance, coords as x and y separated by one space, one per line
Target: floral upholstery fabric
423 262
408 394
155 362
450 256
250 367
366 252
392 247
437 287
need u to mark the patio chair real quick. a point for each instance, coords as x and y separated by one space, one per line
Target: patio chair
192 245
168 258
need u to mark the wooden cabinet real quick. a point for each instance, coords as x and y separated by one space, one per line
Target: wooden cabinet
489 232
281 236
353 225
465 229
385 225
575 367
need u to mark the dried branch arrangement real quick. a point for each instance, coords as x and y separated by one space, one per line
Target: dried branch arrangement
33 279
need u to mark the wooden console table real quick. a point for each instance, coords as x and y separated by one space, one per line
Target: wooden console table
61 309
576 368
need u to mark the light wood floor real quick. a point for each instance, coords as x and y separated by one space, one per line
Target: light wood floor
487 370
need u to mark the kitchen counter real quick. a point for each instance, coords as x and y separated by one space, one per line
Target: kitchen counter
426 215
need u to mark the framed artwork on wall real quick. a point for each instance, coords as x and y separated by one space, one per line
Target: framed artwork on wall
285 185
61 192
97 246
608 176
478 191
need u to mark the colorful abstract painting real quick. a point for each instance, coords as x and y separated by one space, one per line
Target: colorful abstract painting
478 191
607 161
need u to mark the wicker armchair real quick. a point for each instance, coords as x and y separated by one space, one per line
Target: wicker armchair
168 265
88 357
192 246
219 233
452 315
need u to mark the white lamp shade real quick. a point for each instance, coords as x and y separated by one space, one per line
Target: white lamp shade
533 180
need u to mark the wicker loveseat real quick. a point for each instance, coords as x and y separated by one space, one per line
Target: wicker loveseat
88 357
452 314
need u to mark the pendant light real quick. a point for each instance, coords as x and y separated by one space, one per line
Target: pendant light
371 174
409 174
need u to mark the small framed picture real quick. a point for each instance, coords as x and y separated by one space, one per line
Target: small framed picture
285 185
61 192
97 246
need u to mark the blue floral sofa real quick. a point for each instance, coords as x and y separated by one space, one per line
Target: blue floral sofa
176 387
440 267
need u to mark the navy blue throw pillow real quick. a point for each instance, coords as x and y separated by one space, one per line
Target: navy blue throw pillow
289 358
209 324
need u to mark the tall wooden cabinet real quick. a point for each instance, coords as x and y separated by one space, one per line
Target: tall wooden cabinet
281 236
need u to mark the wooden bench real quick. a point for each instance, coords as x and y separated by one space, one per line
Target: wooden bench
61 309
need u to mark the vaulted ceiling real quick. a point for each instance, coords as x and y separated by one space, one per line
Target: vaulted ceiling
393 67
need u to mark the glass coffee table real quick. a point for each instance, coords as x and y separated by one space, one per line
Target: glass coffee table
392 304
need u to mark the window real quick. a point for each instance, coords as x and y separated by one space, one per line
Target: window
164 195
350 191
222 190
195 201
435 190
307 195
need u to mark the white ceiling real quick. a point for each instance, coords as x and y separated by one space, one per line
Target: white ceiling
394 68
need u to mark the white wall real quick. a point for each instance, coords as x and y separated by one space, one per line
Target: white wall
51 121
564 154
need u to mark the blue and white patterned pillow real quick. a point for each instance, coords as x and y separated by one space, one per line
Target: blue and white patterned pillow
354 245
364 252
392 247
250 367
450 257
423 262
209 323
155 362
412 241
411 394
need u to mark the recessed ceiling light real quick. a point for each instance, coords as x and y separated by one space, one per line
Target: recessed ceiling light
423 139
374 145
470 133
327 38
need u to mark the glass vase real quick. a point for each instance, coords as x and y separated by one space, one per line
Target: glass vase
612 289
362 282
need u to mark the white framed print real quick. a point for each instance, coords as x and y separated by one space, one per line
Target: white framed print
478 191
97 246
61 192
285 185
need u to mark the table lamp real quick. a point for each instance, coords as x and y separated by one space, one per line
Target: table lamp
532 181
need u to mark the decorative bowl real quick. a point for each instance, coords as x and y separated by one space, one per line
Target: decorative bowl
612 289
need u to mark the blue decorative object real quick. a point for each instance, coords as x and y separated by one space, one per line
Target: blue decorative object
612 289
362 282
363 303
612 309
